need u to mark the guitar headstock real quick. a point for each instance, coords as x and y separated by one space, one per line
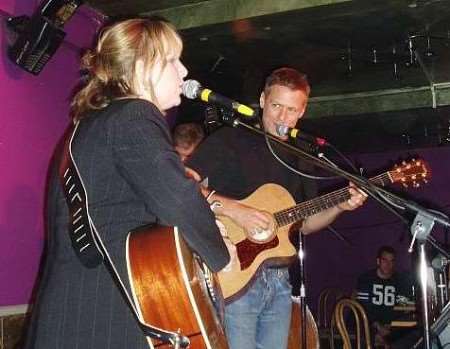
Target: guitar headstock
412 172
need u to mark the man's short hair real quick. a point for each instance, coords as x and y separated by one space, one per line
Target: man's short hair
288 77
385 249
188 134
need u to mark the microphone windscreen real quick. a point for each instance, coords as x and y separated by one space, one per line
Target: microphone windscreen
191 88
281 130
439 262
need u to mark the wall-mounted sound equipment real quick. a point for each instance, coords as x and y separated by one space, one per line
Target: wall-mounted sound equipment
40 36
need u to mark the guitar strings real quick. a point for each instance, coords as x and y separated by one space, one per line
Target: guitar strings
293 214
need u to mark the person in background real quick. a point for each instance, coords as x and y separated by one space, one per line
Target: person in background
132 177
236 163
379 290
186 137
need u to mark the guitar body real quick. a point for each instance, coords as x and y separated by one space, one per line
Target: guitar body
275 247
251 255
170 289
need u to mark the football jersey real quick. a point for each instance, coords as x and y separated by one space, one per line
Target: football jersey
379 296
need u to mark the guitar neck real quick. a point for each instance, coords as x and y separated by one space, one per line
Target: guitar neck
321 203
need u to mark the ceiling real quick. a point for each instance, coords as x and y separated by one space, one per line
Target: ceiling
379 70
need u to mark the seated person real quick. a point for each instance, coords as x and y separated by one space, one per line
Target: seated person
186 137
379 290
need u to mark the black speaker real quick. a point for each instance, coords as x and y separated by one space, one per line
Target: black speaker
36 44
40 36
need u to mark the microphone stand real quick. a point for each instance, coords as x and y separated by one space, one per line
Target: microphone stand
420 228
302 287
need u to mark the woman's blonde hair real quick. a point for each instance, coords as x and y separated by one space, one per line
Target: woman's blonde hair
111 65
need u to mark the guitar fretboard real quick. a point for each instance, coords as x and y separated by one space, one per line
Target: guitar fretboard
321 203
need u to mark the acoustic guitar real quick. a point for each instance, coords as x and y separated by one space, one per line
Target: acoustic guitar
172 289
275 247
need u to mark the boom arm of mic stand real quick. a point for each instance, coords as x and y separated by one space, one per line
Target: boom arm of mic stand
358 180
421 227
423 221
370 188
364 183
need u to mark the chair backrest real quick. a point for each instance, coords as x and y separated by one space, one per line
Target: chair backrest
343 307
327 301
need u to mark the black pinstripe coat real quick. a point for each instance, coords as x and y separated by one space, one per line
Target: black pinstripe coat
132 176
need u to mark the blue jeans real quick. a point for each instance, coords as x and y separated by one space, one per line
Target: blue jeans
261 317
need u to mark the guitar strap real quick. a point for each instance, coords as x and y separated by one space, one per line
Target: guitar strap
83 235
87 242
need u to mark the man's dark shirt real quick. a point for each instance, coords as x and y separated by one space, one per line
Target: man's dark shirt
238 162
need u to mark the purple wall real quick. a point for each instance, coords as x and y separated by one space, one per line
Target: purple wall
34 115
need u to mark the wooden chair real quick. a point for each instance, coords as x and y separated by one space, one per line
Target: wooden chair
327 301
343 307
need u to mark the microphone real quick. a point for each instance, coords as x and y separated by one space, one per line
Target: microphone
439 262
192 89
295 133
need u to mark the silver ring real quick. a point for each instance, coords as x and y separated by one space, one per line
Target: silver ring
257 231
